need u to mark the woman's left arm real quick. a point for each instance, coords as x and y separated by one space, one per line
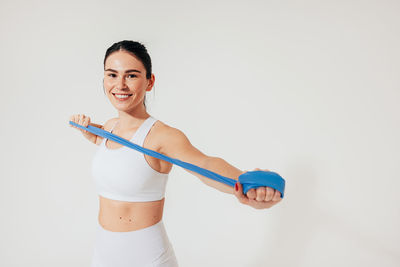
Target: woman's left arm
176 145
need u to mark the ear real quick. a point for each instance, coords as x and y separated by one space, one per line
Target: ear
151 82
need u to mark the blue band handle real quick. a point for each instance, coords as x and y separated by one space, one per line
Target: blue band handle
249 179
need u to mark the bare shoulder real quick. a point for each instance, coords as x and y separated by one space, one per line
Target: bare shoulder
167 134
171 140
107 127
109 124
174 143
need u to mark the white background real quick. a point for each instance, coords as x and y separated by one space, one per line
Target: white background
309 89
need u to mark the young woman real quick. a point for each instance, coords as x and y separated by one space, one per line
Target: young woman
131 185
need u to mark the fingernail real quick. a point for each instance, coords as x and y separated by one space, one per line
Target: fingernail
236 187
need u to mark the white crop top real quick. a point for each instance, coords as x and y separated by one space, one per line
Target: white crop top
124 174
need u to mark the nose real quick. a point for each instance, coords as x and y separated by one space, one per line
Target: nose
121 83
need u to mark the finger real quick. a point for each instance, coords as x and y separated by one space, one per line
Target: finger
270 193
277 196
76 119
251 194
86 121
239 193
261 192
81 118
82 121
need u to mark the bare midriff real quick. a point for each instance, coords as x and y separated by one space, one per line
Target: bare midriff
122 216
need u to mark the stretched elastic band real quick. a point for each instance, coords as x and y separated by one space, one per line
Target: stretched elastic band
250 179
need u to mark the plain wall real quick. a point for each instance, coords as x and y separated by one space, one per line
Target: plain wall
309 89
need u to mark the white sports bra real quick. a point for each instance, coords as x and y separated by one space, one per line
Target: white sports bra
124 174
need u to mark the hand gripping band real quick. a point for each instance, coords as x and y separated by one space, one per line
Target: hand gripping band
249 179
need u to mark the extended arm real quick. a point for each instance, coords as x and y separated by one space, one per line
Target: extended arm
175 144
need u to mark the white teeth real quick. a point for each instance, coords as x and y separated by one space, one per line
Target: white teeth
121 96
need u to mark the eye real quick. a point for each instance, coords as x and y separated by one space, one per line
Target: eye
111 75
132 75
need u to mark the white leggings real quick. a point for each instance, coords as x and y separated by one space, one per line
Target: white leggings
146 247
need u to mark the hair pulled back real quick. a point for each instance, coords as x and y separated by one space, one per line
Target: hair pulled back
135 48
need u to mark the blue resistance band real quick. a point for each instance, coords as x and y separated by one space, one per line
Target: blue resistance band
249 179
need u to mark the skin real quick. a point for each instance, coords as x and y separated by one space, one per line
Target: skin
121 216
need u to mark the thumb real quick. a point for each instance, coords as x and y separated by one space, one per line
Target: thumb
239 193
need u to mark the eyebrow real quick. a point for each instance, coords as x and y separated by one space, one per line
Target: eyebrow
127 71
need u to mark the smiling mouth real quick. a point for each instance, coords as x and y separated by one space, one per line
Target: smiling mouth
122 96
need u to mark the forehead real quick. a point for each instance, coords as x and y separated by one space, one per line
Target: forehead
120 60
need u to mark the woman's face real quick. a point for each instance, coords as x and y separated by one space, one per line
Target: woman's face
125 80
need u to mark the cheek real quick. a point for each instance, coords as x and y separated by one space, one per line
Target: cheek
136 86
107 83
134 83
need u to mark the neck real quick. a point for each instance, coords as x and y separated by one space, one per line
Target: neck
132 118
